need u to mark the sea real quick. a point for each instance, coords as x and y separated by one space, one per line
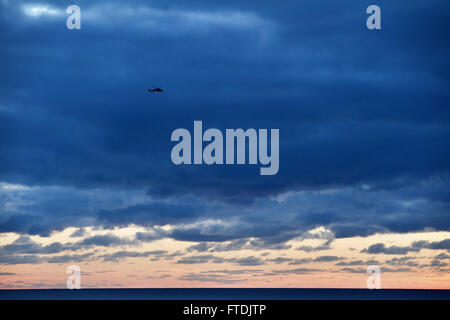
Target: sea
224 294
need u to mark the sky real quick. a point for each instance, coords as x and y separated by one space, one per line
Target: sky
86 176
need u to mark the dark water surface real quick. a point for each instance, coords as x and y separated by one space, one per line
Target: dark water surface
224 294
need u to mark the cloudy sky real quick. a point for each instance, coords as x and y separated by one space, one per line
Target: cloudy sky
85 170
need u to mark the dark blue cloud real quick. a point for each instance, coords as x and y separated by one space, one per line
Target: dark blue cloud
434 245
414 247
381 248
354 107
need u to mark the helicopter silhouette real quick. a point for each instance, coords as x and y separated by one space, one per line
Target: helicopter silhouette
155 90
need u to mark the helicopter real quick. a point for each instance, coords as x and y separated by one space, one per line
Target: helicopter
155 90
